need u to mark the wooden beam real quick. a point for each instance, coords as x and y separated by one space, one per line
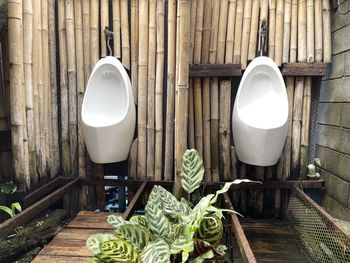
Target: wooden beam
215 70
243 244
132 205
27 214
304 69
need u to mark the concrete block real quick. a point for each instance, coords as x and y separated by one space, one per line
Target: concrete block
345 116
335 90
339 20
334 162
336 209
337 68
337 188
341 40
335 138
329 113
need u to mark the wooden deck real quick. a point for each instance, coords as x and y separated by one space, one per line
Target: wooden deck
271 241
69 244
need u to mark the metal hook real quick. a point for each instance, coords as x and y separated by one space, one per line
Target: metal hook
109 36
263 36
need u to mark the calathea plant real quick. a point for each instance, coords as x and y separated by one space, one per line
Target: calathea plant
171 230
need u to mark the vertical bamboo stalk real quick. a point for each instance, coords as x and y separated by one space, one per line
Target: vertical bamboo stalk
159 91
214 94
79 47
296 128
125 33
197 95
16 91
104 23
28 71
193 14
302 31
279 32
238 32
206 90
53 88
304 142
63 88
245 32
142 91
116 28
72 87
220 52
326 18
182 89
310 31
234 176
318 31
134 46
258 194
243 175
170 99
272 29
293 32
286 30
253 30
230 31
152 41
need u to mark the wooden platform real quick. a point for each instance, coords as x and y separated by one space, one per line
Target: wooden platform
271 241
69 244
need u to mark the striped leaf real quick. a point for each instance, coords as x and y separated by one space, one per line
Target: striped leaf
115 220
192 171
118 250
201 247
156 252
137 235
207 255
140 220
93 242
211 230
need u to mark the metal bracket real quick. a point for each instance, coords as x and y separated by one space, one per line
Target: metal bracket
109 36
262 38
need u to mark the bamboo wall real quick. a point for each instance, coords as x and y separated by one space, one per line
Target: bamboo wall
156 40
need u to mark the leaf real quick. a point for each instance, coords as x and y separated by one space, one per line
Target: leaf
201 246
118 250
137 235
192 171
207 255
156 252
8 188
115 220
93 242
140 220
211 230
318 161
15 206
7 210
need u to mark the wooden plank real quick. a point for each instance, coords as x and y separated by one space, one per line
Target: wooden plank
244 247
215 70
132 205
80 233
64 247
85 222
304 69
27 214
41 258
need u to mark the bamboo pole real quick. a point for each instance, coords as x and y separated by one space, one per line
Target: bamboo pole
16 91
182 90
243 194
53 88
79 47
296 127
197 91
279 32
258 194
193 14
293 32
272 29
304 141
230 31
310 31
125 33
302 31
253 30
28 71
238 32
63 88
104 23
214 94
142 91
134 46
152 41
264 11
247 15
286 30
326 18
318 31
170 99
72 87
206 90
116 28
220 53
159 91
234 176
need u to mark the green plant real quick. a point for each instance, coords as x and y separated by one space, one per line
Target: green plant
11 210
171 230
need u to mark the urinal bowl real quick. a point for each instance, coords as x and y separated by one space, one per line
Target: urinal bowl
108 115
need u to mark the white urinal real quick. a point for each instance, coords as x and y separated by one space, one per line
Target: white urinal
260 114
108 112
